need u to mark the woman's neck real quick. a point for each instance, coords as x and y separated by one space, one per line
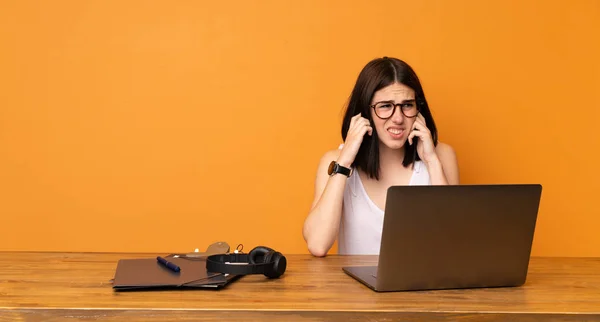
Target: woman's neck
390 161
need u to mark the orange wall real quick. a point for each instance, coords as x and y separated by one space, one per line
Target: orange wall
165 126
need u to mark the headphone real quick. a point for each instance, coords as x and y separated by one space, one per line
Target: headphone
260 260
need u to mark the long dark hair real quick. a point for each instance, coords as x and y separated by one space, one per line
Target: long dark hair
377 74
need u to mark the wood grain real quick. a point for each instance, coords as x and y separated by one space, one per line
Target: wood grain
51 286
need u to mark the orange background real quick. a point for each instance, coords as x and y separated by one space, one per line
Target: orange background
164 126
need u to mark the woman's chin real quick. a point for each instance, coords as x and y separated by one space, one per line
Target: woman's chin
394 145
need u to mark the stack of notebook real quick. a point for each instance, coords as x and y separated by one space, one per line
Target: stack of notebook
148 273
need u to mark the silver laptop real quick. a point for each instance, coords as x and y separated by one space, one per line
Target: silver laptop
449 237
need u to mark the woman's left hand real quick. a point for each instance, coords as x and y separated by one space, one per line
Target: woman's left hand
425 147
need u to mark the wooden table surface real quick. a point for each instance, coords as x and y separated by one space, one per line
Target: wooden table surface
76 287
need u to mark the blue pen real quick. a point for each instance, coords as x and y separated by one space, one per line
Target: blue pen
168 264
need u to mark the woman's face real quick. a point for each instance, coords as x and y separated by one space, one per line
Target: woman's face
393 131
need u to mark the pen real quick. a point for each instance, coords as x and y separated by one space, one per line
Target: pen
168 264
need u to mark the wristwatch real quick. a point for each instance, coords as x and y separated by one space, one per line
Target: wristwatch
334 168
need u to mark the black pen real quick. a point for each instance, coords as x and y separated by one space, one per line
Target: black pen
168 264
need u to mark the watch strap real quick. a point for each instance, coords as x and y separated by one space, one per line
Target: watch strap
335 168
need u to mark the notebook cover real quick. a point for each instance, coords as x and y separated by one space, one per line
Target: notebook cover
149 273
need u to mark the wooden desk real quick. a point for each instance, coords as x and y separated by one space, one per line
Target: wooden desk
76 287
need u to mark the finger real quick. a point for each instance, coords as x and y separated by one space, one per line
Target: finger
360 130
361 122
421 117
419 134
412 134
366 128
353 120
358 119
419 126
414 125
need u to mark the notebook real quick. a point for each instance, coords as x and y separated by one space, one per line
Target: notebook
148 274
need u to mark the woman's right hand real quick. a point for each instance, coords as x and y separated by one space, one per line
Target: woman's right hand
356 132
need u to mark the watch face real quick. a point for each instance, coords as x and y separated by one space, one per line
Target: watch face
331 166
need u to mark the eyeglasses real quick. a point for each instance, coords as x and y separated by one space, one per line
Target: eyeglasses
386 109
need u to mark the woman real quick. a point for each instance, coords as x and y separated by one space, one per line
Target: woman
390 139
